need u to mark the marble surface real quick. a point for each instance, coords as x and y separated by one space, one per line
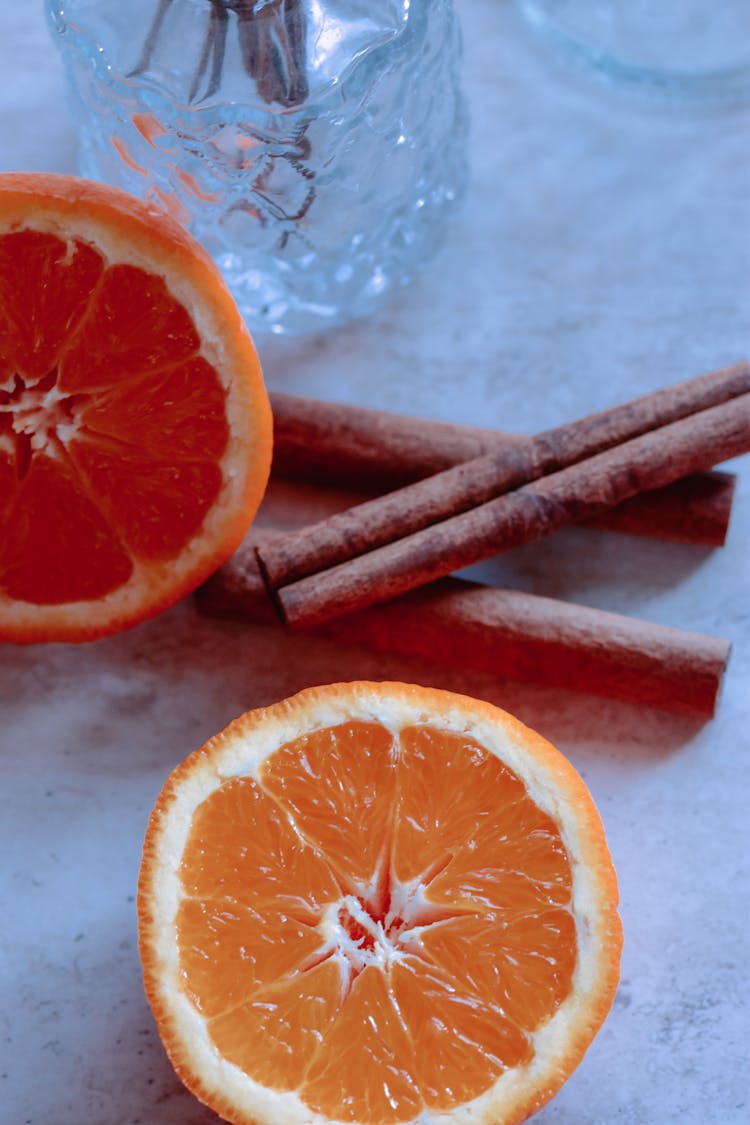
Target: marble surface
603 251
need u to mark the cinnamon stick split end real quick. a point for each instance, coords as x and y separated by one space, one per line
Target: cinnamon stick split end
512 635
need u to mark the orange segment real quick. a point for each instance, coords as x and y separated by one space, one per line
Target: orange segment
275 1035
392 903
461 1042
339 786
134 325
157 506
515 859
182 409
135 431
267 862
228 951
57 543
522 965
364 1068
448 787
45 289
8 479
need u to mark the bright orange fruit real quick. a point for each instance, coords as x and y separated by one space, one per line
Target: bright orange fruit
135 431
373 903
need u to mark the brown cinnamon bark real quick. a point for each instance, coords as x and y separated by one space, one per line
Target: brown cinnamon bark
467 485
509 634
694 510
375 451
571 495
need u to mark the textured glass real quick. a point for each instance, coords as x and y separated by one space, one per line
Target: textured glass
314 148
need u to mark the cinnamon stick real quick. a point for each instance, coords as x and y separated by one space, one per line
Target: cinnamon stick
327 443
694 510
573 494
512 635
466 486
375 450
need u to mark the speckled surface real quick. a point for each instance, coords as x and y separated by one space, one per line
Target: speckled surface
603 251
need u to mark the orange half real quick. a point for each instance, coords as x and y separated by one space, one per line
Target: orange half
135 430
377 903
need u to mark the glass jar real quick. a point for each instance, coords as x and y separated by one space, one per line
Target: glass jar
314 147
686 50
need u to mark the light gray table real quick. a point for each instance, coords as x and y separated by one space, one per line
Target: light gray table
604 250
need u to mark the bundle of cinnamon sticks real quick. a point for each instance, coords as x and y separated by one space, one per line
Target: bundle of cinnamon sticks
377 572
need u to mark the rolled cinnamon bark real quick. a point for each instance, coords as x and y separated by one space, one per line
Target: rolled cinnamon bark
511 635
396 515
695 510
373 450
573 494
334 444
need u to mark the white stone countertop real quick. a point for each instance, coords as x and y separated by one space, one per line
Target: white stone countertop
603 251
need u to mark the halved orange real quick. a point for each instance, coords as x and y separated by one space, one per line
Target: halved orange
377 903
135 430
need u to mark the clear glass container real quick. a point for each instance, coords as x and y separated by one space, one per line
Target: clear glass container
315 147
692 50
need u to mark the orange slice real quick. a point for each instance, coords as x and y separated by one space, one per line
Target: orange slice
377 903
135 431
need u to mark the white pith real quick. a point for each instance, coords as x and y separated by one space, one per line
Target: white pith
391 934
41 415
239 752
352 956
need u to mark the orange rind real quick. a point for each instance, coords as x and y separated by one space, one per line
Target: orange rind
377 903
135 430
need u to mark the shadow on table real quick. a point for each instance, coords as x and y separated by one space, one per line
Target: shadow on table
164 687
204 672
